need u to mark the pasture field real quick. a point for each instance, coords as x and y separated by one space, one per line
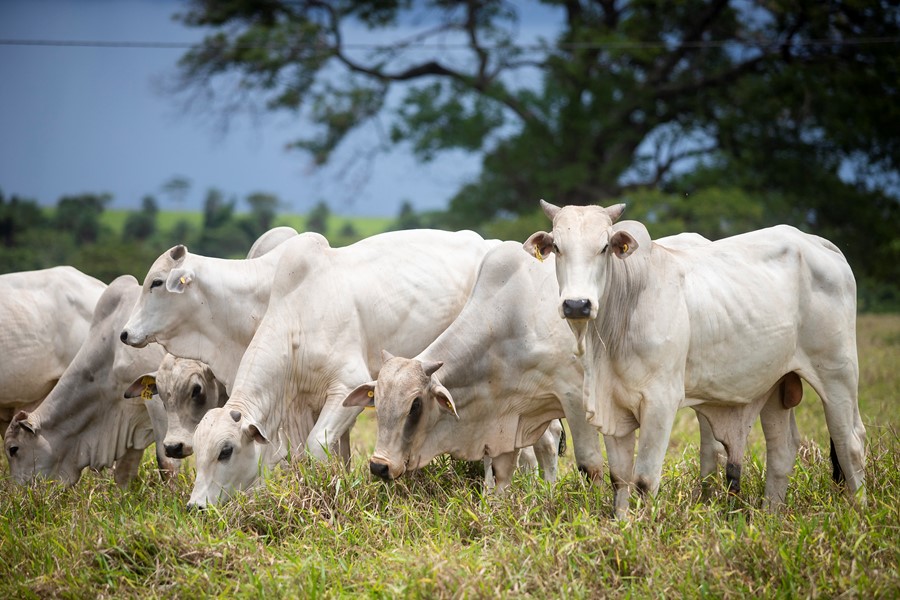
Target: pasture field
322 531
168 219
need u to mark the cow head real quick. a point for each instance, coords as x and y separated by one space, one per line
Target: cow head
584 242
188 390
227 446
408 400
161 306
30 454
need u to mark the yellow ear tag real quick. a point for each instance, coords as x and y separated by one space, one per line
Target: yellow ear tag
183 282
146 393
370 394
624 248
537 254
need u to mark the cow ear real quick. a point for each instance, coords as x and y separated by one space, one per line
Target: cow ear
22 420
539 245
549 209
254 432
444 399
615 211
622 244
144 383
363 395
178 280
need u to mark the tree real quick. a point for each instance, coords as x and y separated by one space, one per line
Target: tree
787 98
407 218
177 188
628 88
140 225
80 215
263 208
317 219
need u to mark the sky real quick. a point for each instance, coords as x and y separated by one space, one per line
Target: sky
94 120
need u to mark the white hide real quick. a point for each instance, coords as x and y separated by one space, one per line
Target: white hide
44 318
716 327
507 369
85 421
331 311
207 309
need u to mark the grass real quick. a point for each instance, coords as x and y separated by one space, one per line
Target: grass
322 531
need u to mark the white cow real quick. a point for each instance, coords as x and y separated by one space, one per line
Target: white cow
188 387
722 327
330 313
489 384
206 308
85 421
44 318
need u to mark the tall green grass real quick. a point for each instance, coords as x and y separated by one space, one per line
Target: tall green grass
322 531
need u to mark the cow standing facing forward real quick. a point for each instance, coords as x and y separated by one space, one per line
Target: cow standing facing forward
721 327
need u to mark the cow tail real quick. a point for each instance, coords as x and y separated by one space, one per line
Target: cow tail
562 441
837 474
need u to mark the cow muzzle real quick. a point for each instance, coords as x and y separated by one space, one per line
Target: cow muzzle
380 470
178 450
134 340
576 309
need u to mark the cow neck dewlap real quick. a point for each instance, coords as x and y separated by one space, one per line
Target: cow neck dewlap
625 282
126 426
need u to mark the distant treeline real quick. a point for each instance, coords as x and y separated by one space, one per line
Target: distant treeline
81 232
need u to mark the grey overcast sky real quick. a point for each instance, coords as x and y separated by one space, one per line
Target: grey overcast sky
82 119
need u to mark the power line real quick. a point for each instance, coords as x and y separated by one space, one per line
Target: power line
610 45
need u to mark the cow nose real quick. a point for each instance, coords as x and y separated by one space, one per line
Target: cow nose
175 450
380 470
124 337
576 309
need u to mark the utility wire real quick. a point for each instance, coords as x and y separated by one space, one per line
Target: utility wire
625 44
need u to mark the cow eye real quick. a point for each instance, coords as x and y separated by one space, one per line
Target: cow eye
604 249
156 283
12 451
225 453
416 407
195 391
556 248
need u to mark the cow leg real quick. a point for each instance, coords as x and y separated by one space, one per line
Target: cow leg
586 444
710 450
546 451
334 423
656 428
528 461
503 467
488 473
126 467
848 435
620 452
782 441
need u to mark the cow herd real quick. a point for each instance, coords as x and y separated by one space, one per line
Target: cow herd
464 346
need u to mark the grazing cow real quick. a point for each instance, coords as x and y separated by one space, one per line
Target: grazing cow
725 328
44 318
330 313
187 389
490 384
207 309
85 421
